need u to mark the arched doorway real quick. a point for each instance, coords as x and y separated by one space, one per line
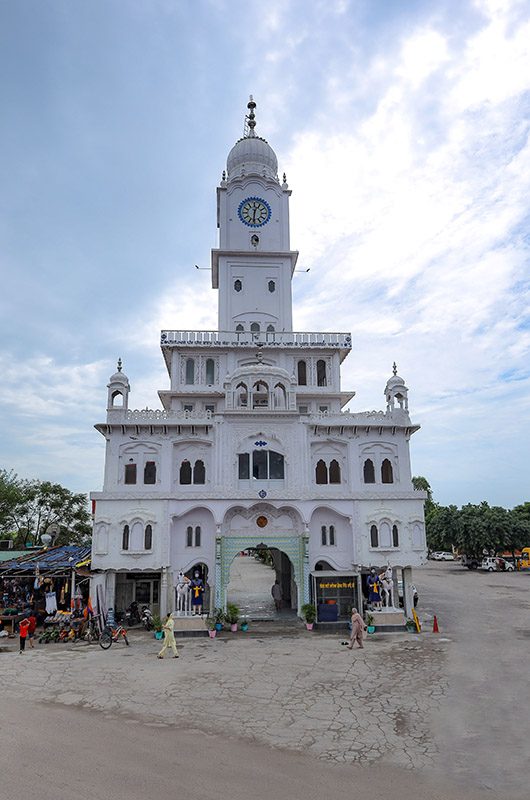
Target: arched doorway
292 548
253 573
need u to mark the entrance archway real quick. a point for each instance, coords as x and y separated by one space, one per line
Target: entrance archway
253 573
295 548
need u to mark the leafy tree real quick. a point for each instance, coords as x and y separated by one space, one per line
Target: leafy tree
29 508
442 527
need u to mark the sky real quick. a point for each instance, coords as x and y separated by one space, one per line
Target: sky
403 128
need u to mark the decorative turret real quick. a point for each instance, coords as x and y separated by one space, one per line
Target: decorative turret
396 393
118 395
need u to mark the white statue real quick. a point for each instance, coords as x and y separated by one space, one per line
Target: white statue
388 586
183 588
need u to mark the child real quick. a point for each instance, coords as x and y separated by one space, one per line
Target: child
32 627
23 627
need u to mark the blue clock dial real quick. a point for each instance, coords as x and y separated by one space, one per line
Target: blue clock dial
254 212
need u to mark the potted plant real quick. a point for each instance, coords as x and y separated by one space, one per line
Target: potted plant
244 623
218 616
210 624
157 627
309 614
370 627
232 616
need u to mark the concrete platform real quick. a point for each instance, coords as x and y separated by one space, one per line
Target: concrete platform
389 617
190 626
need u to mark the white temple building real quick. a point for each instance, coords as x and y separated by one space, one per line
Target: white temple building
251 447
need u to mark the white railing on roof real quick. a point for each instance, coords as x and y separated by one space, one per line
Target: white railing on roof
250 339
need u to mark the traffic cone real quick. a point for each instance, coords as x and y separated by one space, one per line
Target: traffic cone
435 628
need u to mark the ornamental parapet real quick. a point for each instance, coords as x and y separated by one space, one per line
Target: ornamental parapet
137 415
286 339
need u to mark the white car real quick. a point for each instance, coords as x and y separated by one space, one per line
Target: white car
444 556
492 564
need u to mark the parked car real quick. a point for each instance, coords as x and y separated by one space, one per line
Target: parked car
471 562
496 564
442 556
415 596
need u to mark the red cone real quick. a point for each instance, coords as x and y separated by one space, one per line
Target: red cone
435 628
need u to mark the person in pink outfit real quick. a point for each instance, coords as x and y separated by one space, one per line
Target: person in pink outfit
357 628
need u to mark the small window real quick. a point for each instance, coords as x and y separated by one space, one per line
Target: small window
241 395
272 286
148 537
369 471
321 373
276 466
130 473
244 466
334 471
189 536
209 407
302 373
374 536
255 327
321 472
150 472
117 400
188 407
303 409
323 409
395 536
185 473
199 472
239 328
259 465
387 475
237 285
270 328
198 536
190 371
324 535
125 538
332 535
210 371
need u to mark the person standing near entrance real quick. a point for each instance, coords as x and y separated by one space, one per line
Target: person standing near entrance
169 637
276 593
23 627
357 628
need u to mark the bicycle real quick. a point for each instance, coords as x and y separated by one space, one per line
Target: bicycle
90 631
110 635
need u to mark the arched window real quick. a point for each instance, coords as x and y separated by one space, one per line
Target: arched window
239 328
272 286
270 328
266 465
185 473
321 472
190 371
189 536
199 472
210 371
280 396
260 395
197 536
237 285
374 536
130 473
148 537
334 471
321 373
241 395
369 471
387 475
150 472
117 399
254 327
302 373
395 536
125 538
332 535
324 535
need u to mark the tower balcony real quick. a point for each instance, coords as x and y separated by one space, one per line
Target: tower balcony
288 340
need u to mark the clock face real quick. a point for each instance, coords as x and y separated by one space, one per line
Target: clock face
254 212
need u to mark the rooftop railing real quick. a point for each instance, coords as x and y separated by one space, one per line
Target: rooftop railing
254 339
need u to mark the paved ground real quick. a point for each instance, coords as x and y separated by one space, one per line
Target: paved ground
250 587
418 711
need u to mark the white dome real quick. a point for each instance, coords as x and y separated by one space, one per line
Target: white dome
252 155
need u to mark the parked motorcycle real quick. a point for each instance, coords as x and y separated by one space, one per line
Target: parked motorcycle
147 618
132 615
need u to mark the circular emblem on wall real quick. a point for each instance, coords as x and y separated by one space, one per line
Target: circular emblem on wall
261 522
254 212
262 494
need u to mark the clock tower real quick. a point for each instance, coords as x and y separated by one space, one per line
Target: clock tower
253 266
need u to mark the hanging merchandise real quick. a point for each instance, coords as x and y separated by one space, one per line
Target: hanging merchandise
51 602
36 583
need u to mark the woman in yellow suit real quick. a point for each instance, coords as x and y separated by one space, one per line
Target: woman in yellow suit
169 637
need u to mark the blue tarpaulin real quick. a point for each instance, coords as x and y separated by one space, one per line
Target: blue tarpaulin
50 560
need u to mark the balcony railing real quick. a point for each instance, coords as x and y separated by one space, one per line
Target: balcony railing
286 339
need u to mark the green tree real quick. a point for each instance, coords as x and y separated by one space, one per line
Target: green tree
30 507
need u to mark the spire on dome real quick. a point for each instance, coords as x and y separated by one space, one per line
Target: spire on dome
250 118
394 368
119 364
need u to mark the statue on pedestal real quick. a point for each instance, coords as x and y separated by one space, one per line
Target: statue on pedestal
183 587
197 591
374 590
387 586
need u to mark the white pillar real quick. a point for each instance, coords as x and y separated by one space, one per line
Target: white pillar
163 592
408 600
